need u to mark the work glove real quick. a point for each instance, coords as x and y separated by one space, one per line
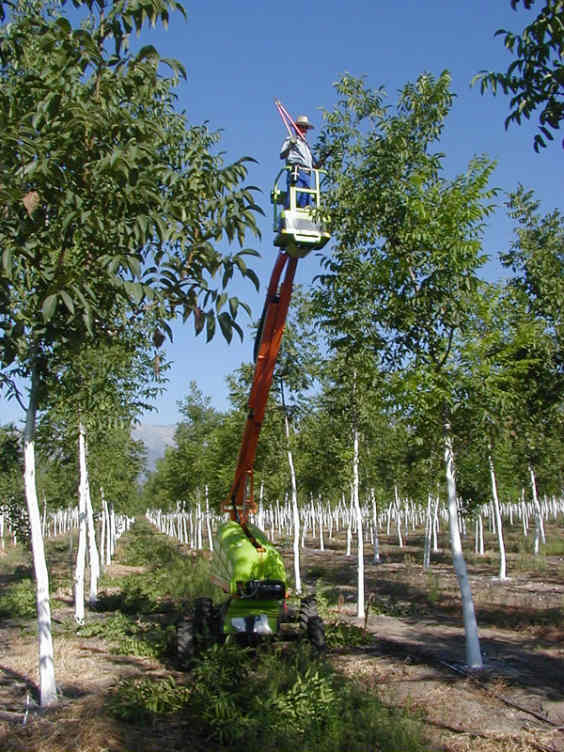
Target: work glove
293 140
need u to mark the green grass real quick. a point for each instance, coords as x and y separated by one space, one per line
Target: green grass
553 547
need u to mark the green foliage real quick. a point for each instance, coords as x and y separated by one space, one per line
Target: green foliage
19 600
144 546
553 548
343 635
536 258
142 700
535 78
132 637
111 627
285 700
114 209
266 700
433 588
12 500
403 277
170 581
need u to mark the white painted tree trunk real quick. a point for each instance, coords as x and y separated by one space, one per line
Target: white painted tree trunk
349 524
398 517
93 557
113 532
376 556
199 526
108 530
428 534
473 653
295 510
44 521
539 526
436 526
47 684
389 518
208 521
81 551
524 514
360 612
499 526
102 534
261 520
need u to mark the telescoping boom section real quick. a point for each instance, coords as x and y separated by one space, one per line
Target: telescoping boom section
308 234
240 502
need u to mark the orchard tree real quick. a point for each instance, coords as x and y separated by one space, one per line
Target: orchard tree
192 461
536 258
295 373
402 278
110 204
104 385
535 78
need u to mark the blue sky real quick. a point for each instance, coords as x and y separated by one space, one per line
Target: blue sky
240 56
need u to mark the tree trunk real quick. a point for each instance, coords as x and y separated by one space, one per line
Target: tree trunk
102 534
360 613
81 552
428 534
93 557
539 526
398 518
295 511
499 527
436 525
208 520
47 684
376 555
349 527
473 654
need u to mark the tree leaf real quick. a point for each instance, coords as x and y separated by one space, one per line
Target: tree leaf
48 308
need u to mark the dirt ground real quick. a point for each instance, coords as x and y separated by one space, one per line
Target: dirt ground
417 655
414 656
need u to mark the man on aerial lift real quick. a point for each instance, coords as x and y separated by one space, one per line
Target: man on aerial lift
297 153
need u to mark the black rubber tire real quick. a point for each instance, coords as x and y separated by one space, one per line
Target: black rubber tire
308 610
316 633
185 647
311 623
206 626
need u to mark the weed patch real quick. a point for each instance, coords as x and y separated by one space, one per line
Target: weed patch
144 700
277 700
19 600
128 637
343 635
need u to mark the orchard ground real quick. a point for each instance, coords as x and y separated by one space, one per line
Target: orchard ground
409 651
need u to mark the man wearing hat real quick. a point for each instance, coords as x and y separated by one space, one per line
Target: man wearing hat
295 150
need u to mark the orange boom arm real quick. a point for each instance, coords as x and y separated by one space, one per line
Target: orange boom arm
240 502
